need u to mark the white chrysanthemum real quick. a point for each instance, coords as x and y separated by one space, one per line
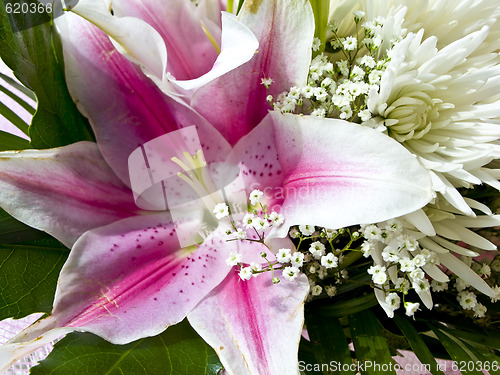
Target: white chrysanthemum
441 108
439 97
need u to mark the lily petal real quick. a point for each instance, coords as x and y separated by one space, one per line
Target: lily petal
236 102
126 109
134 270
255 325
238 46
331 173
134 37
341 166
126 281
190 52
63 191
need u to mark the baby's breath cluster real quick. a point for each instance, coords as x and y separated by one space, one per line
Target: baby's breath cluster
253 227
466 295
399 264
402 265
321 256
339 80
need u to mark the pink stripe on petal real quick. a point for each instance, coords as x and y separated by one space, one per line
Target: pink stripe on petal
63 191
339 173
130 279
255 325
190 52
236 102
257 158
126 109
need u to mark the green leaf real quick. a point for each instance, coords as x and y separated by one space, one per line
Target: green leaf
330 342
321 9
13 118
483 339
28 276
370 345
350 306
12 142
240 4
457 349
11 82
177 351
12 230
417 344
17 99
29 53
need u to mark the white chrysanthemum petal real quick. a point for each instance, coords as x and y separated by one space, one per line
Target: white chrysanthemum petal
436 274
479 222
478 206
460 269
420 220
459 233
453 247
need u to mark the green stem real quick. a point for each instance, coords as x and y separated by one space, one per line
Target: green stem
351 258
321 10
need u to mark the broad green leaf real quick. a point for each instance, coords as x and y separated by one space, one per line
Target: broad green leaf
330 342
13 118
351 306
483 339
486 360
177 351
370 346
11 82
457 349
417 344
8 91
28 276
29 54
12 230
12 142
307 358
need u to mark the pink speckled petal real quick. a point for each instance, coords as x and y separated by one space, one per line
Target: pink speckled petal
339 174
130 279
330 172
63 191
236 102
255 325
126 109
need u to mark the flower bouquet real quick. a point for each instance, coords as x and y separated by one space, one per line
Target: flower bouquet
251 187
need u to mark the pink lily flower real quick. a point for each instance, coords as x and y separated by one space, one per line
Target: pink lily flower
127 276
